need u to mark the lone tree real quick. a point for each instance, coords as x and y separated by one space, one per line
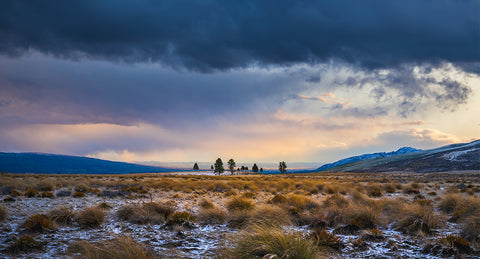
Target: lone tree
231 165
211 167
282 167
219 166
255 168
195 167
261 170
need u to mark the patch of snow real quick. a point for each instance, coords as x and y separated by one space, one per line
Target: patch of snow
452 156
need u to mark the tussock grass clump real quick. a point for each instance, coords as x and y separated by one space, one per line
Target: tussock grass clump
15 193
238 219
153 213
373 235
415 218
206 204
104 206
183 219
62 215
450 202
454 244
212 216
259 241
23 244
81 188
63 193
374 190
471 229
279 199
90 217
324 239
46 185
38 223
464 207
120 247
269 215
46 194
336 200
239 204
364 216
78 194
30 193
3 212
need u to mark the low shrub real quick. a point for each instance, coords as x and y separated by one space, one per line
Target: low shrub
62 216
183 219
239 203
38 223
90 217
23 244
120 247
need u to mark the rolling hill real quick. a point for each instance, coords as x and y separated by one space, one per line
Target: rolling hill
63 164
465 156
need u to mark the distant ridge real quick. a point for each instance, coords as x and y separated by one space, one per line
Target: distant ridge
403 150
455 157
63 164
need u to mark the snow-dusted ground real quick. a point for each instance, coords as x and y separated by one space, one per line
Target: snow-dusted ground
199 242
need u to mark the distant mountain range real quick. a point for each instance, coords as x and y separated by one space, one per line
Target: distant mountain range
63 164
465 156
403 150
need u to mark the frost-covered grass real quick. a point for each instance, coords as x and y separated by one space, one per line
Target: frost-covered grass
199 216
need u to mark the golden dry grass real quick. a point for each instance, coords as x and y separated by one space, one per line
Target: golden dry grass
120 248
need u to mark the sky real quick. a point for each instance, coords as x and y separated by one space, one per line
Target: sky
271 80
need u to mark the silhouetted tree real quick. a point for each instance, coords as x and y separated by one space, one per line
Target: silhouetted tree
282 167
211 167
219 166
261 170
255 168
195 167
231 165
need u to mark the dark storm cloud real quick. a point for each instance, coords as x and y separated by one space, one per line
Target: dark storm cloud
205 35
39 89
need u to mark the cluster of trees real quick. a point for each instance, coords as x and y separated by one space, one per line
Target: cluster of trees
218 167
